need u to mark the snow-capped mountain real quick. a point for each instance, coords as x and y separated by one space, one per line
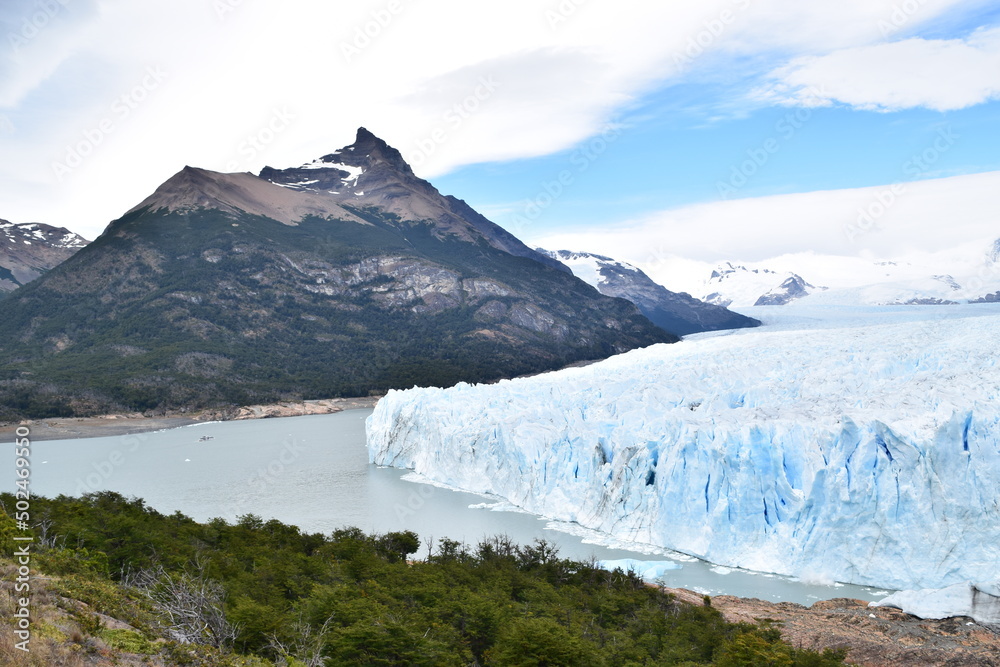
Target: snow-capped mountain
969 272
30 249
860 451
793 288
737 285
369 172
678 313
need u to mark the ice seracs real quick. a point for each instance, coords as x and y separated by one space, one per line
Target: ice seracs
866 454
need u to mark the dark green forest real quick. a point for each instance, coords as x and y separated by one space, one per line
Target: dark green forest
263 592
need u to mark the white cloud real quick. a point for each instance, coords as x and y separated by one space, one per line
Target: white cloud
881 221
399 76
37 38
228 74
937 74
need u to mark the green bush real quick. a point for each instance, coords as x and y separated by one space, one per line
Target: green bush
353 598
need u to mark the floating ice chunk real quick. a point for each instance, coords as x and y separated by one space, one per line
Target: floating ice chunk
649 570
965 599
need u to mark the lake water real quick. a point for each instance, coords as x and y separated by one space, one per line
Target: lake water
313 472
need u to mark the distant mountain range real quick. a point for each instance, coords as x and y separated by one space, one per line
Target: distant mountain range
672 311
346 276
965 273
28 250
738 285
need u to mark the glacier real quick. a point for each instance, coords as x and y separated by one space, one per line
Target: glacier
865 453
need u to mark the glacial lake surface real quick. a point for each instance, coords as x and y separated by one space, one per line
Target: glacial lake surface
313 472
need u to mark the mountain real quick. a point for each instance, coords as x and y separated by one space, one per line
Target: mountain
737 285
678 313
967 272
222 289
370 173
794 287
29 250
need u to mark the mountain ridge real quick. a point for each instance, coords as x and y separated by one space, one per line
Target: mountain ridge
677 312
964 273
227 289
192 188
369 172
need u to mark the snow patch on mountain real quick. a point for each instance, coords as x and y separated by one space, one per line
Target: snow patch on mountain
55 237
859 452
28 250
586 266
328 162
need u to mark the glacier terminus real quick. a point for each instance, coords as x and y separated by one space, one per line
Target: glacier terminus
862 449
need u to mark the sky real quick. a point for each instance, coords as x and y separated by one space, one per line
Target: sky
729 129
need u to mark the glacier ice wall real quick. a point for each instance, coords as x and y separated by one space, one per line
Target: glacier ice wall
868 455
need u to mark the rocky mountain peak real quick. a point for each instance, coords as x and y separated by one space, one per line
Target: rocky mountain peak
367 164
371 173
794 287
376 150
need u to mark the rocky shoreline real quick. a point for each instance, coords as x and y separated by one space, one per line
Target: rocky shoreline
124 424
874 636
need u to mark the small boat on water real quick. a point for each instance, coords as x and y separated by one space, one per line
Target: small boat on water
205 437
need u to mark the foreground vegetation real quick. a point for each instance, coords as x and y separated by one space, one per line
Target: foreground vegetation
169 590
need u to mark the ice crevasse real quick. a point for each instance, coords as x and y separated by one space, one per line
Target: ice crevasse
866 455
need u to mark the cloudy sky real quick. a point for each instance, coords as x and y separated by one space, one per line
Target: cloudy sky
735 129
